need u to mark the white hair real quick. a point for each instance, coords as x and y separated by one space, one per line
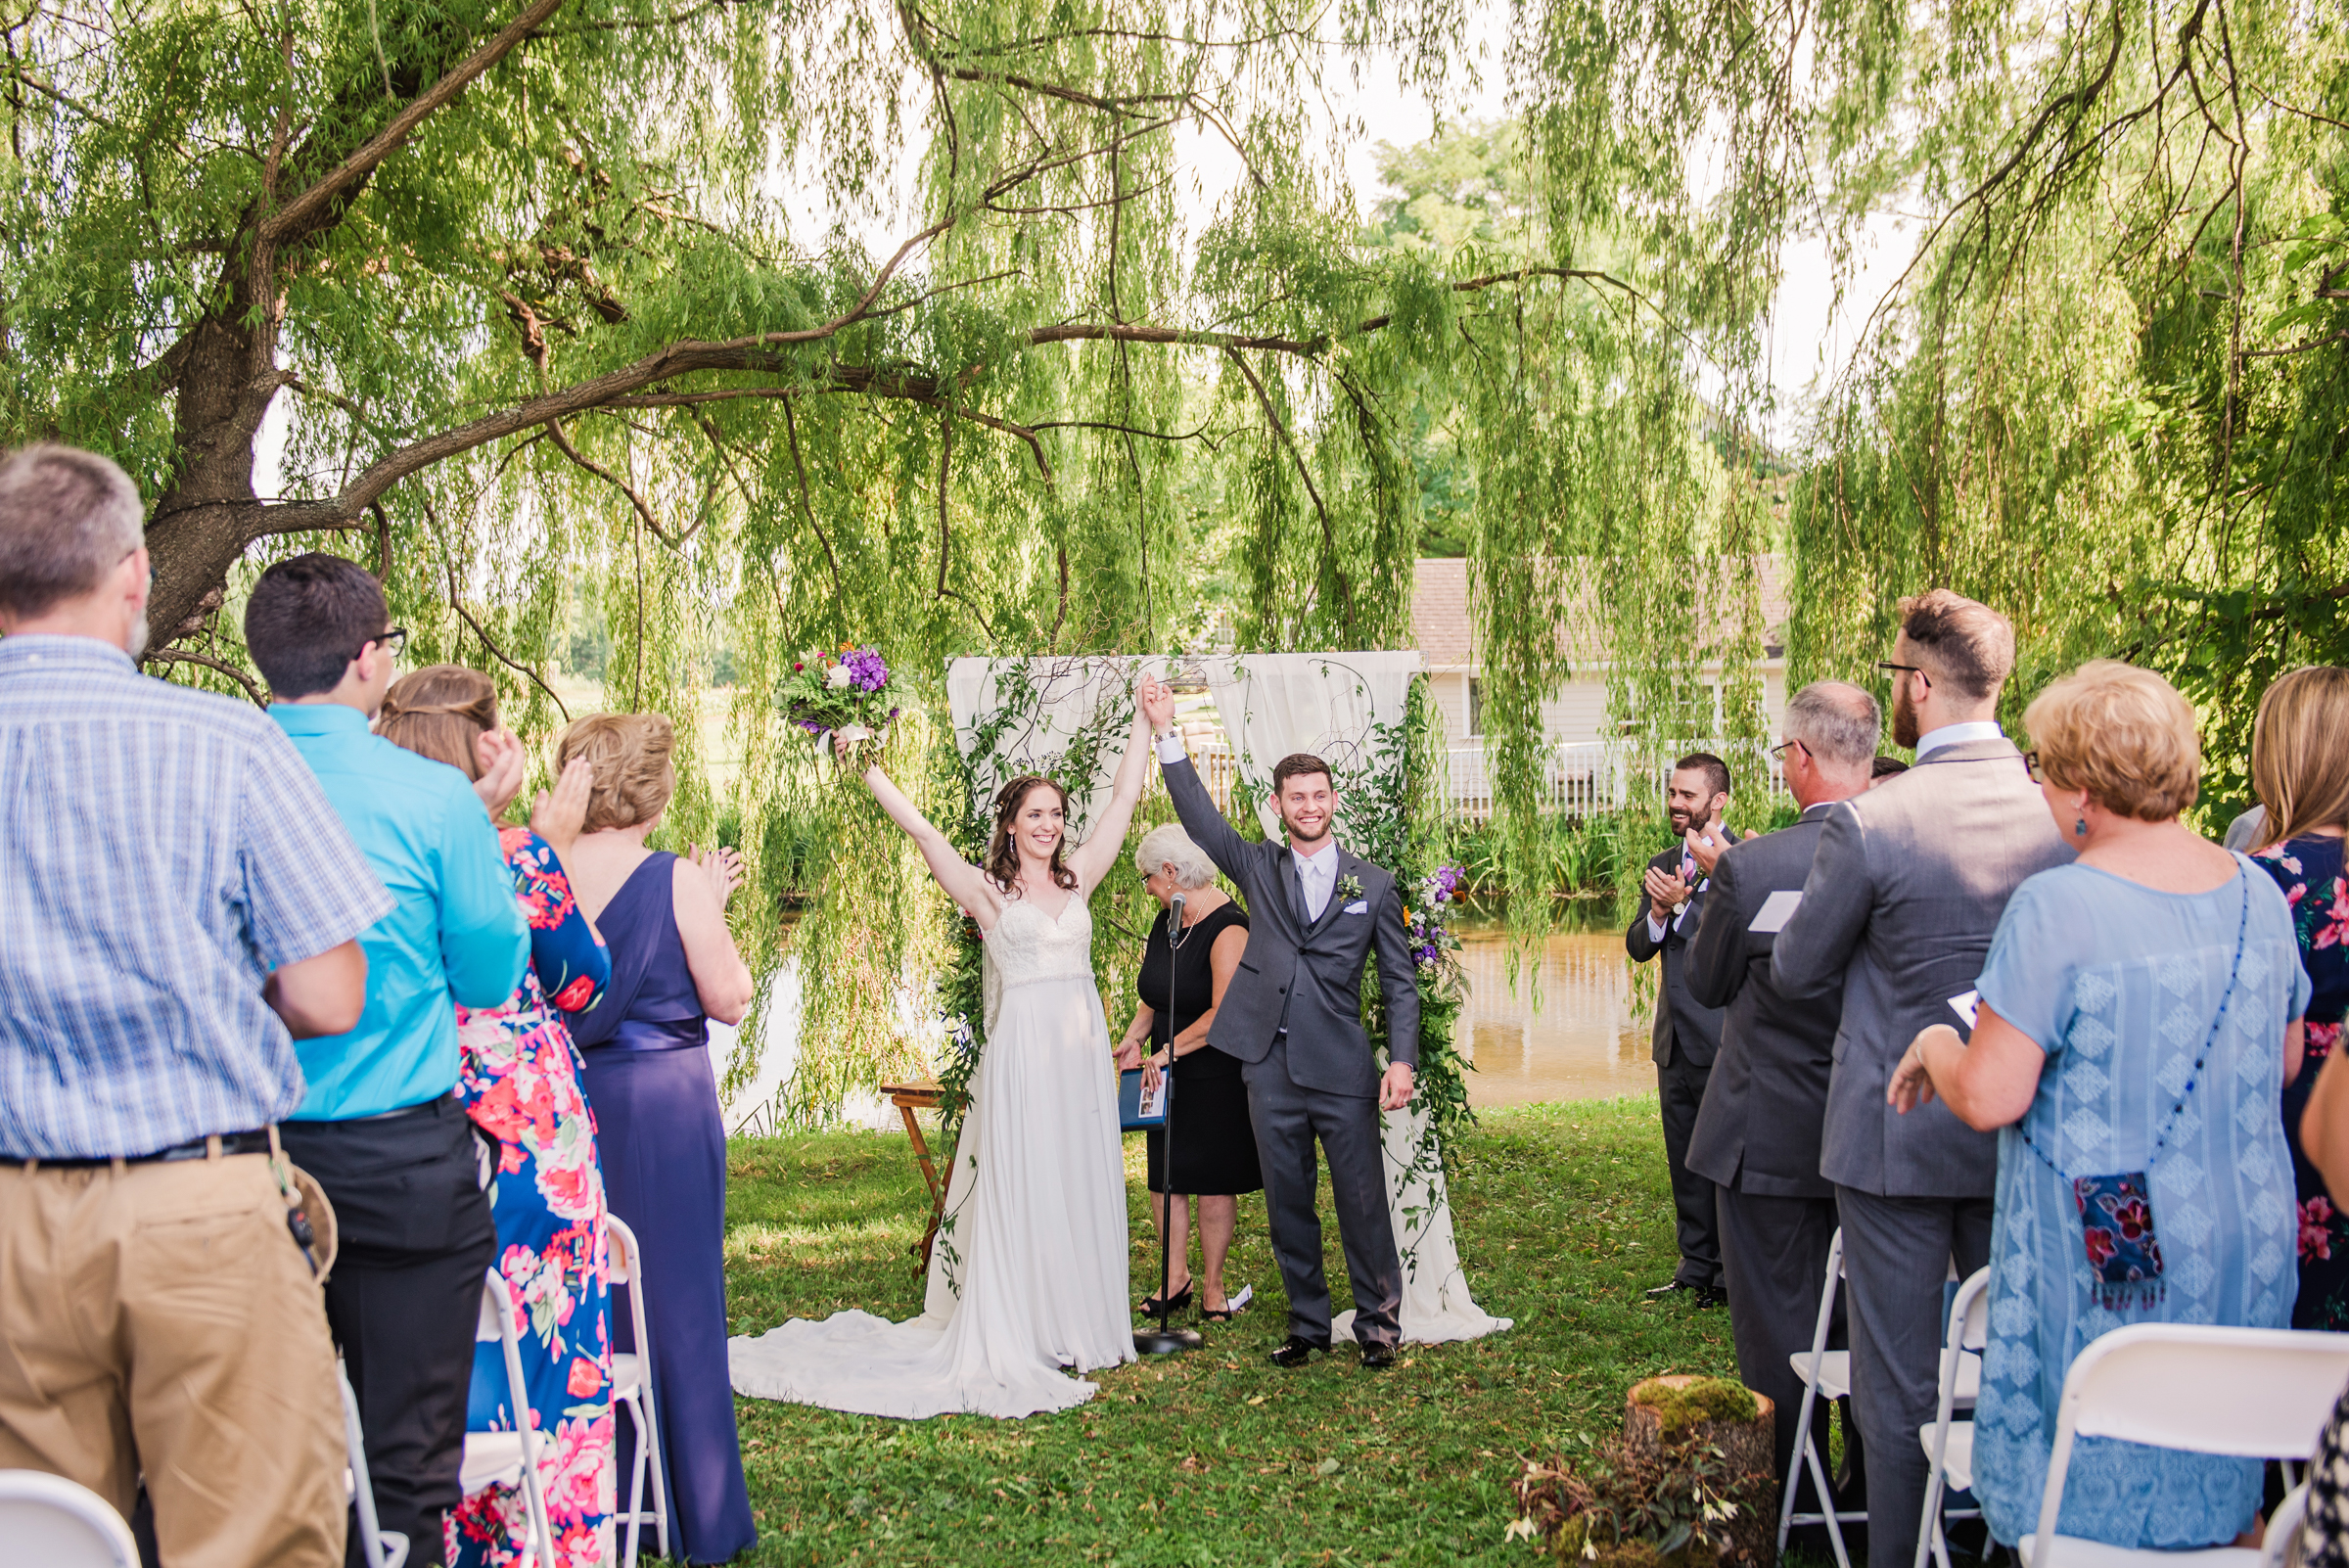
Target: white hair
1171 845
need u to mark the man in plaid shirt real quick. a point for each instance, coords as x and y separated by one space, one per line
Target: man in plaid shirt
180 902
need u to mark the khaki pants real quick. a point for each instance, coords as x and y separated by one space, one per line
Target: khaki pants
159 1319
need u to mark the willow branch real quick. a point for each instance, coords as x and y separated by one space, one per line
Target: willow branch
1264 400
306 208
554 432
791 428
181 656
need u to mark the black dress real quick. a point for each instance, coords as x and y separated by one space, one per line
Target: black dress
1215 1142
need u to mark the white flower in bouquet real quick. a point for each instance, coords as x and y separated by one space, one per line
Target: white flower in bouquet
837 677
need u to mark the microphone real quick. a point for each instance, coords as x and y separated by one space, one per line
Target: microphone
1174 931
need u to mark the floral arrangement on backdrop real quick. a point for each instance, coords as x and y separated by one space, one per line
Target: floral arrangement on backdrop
851 694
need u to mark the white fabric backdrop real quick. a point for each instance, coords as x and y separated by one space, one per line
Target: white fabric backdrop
1275 703
1072 691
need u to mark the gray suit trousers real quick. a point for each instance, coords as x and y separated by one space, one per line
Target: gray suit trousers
1288 1119
1896 1258
1773 1253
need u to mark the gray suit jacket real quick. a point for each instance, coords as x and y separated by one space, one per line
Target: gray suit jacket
1759 1128
1305 976
1904 894
1684 1024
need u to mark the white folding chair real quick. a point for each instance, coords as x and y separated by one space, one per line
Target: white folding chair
1950 1445
1826 1375
633 1388
505 1458
381 1548
2279 1547
2247 1393
59 1523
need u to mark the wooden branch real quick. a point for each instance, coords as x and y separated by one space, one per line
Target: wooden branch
181 656
307 209
791 428
554 432
498 653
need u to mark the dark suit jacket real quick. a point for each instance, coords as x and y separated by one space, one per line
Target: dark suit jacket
1759 1128
1903 898
1680 1016
1305 976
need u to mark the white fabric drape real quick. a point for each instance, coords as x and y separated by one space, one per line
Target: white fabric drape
1323 703
1436 1306
1076 696
1331 704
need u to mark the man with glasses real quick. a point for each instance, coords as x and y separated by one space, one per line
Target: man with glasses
381 1127
1687 1033
1895 918
1757 1137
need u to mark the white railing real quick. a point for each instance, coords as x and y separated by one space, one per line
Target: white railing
1577 780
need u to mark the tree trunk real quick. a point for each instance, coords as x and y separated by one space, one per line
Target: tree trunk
1748 1447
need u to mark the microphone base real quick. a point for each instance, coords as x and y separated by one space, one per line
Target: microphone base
1166 1341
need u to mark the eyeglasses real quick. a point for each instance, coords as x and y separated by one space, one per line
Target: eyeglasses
1889 668
391 641
1778 752
2039 774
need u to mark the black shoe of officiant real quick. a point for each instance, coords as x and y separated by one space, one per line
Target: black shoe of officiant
1152 1307
1712 1296
1376 1357
1295 1350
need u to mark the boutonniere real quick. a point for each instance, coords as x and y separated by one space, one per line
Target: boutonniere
1350 886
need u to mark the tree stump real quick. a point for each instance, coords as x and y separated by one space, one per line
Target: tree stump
1749 1446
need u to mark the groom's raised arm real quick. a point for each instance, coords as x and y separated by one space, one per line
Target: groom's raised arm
1208 827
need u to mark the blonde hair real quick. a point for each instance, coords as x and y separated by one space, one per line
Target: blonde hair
1170 846
630 753
2300 752
2121 733
439 712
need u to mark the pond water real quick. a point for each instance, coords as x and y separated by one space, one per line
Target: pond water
1567 1031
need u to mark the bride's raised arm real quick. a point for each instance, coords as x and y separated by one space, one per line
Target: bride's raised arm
964 882
1092 860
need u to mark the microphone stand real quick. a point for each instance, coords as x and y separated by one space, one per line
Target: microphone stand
1162 1340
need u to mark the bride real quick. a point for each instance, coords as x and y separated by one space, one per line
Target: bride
1028 1275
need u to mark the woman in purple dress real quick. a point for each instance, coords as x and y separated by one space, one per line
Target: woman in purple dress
646 1047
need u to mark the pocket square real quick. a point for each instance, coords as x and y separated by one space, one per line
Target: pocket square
1359 906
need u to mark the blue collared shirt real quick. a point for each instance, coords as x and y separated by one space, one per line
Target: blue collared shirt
1976 729
161 850
455 933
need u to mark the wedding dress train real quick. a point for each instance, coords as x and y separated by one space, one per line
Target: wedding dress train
1028 1276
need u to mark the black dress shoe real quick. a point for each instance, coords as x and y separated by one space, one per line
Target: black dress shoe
1375 1356
1295 1350
1712 1296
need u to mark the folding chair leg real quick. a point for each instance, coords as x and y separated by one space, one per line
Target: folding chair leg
637 1468
1827 1506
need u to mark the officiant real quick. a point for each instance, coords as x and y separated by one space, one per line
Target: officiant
1184 971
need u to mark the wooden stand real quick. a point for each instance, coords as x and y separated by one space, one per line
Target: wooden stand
921 1095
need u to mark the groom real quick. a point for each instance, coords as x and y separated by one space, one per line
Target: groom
1292 1015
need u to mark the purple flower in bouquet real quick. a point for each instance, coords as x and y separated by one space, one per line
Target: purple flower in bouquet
1445 886
867 669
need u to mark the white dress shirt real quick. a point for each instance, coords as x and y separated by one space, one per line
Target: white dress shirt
1318 872
1953 734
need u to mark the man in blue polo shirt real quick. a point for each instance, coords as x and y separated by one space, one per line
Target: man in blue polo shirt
381 1127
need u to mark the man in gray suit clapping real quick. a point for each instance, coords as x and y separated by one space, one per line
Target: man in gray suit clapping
1897 914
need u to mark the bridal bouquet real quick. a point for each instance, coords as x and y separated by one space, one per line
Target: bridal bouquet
851 694
1431 937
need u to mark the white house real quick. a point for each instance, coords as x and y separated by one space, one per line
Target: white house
1585 768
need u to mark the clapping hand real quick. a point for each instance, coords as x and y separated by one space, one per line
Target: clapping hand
1666 890
503 761
1706 846
559 817
722 866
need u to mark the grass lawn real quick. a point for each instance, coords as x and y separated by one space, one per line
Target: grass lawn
1564 1221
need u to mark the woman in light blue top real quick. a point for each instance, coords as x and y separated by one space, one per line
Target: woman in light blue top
2140 1016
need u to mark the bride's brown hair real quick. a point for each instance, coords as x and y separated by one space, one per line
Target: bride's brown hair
1002 863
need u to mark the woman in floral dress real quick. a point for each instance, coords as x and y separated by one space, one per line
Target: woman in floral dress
520 1079
2300 768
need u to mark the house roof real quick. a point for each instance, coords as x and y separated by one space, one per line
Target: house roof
1445 630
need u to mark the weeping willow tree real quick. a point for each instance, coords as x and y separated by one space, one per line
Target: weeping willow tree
772 324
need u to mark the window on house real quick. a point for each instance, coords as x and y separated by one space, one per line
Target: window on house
1476 707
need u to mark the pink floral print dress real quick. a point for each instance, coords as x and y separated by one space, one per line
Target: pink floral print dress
520 1080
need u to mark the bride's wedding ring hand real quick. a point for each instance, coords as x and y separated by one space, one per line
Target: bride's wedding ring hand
1157 700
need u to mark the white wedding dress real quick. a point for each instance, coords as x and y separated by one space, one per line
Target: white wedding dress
1028 1273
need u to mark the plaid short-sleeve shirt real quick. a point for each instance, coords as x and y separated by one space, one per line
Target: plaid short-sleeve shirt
161 850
